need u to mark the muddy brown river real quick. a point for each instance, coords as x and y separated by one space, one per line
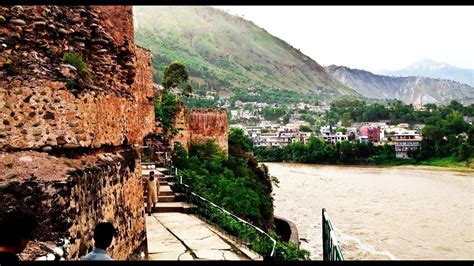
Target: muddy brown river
380 213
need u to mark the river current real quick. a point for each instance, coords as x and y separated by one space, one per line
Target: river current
380 213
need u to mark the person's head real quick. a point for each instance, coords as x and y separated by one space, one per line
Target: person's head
16 230
103 234
152 175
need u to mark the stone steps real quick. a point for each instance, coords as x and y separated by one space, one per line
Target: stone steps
156 170
166 193
165 190
172 207
167 198
178 197
168 201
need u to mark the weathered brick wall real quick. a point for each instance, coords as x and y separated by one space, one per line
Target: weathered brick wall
183 132
42 108
112 192
205 124
118 21
69 199
144 117
200 125
38 107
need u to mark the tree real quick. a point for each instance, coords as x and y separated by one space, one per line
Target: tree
175 75
346 119
346 152
305 128
341 129
165 111
238 139
470 136
464 151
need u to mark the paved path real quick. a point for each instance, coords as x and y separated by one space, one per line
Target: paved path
180 236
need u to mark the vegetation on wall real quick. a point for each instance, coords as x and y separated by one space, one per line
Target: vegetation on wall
84 77
166 110
175 75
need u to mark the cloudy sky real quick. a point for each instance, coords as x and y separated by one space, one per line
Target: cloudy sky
371 37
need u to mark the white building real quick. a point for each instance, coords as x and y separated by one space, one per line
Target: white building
326 130
334 138
405 141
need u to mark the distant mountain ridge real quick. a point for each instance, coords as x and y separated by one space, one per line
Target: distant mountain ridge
433 69
223 51
416 90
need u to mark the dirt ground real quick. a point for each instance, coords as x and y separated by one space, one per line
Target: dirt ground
21 165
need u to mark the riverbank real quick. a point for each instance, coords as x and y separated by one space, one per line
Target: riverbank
447 163
450 163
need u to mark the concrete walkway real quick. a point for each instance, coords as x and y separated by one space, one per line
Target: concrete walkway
181 236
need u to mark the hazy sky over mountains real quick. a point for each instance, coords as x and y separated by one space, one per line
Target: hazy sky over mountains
371 37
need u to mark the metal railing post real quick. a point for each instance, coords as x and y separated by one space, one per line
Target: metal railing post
323 224
331 249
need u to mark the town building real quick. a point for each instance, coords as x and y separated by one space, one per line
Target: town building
405 141
335 138
326 130
277 138
372 133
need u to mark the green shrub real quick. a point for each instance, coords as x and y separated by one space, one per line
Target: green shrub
287 251
166 110
236 182
84 77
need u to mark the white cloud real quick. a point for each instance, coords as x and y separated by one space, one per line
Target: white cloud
371 37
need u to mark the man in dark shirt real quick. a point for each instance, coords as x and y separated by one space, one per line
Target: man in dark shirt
16 229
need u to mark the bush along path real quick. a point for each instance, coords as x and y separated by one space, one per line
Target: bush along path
232 191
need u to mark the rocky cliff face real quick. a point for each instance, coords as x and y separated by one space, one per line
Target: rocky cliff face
40 108
407 89
93 110
433 69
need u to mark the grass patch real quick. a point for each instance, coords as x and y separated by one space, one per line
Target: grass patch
75 60
68 162
451 162
84 76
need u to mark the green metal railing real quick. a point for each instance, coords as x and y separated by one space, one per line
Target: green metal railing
242 231
331 248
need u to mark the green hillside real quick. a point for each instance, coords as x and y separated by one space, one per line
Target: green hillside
223 52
